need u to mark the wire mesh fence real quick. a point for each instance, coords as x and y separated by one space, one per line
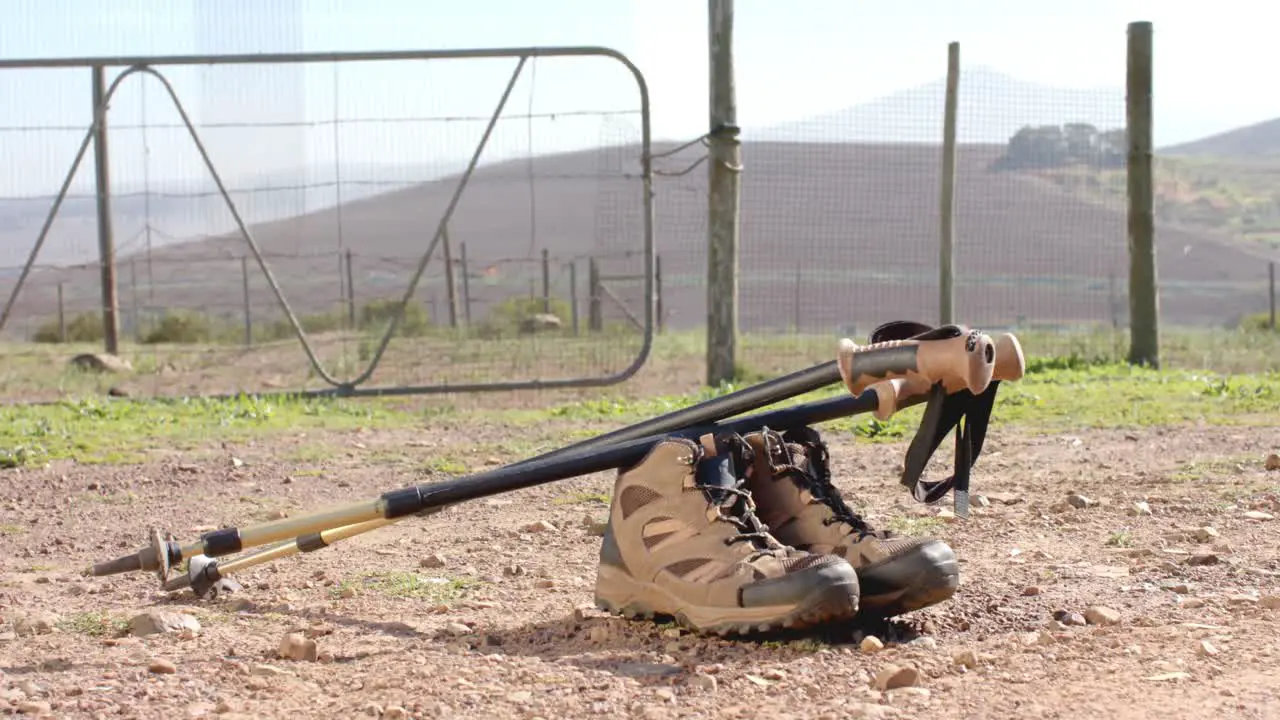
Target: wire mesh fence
342 207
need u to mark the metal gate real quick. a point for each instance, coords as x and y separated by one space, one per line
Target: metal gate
446 343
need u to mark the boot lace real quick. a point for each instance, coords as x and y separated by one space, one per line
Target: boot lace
816 479
734 505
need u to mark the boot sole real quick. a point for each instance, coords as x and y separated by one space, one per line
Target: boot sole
621 594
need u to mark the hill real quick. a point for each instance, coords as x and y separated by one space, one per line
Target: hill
1249 142
840 236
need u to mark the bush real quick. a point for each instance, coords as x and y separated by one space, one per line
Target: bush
508 316
179 327
83 328
377 313
1258 322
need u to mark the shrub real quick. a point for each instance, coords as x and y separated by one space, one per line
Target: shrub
377 313
1258 322
179 327
83 328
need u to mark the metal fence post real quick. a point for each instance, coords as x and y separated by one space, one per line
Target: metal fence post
450 282
1271 285
106 243
946 257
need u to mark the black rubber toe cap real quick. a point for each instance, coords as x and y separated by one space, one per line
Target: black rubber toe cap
928 565
796 587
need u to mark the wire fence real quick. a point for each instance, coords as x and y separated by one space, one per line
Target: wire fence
540 270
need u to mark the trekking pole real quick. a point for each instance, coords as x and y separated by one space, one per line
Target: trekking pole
951 355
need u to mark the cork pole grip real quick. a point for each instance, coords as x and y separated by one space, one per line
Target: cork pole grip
898 393
963 361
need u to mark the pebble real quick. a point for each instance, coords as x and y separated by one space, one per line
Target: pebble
520 697
1259 515
296 646
703 681
160 666
965 658
871 644
896 676
1030 590
1206 649
158 622
1192 603
40 623
32 707
1270 602
1140 508
432 561
980 501
394 712
1273 462
1078 502
1203 558
457 629
1101 615
540 526
1070 618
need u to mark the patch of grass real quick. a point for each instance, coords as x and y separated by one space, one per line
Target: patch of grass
120 431
1120 538
8 529
446 466
584 498
411 585
904 525
94 624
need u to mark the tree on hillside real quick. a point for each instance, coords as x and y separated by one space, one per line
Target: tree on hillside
1056 146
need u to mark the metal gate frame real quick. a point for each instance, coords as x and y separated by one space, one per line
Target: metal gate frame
351 388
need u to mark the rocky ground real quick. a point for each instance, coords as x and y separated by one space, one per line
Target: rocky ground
1106 575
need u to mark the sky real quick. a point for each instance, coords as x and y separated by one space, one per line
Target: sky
794 60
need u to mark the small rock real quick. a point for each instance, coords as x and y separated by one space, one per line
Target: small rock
540 526
514 571
1140 508
598 633
152 623
1273 462
895 676
1102 615
703 681
296 646
1242 600
871 644
966 659
236 462
40 623
457 629
980 501
1204 534
432 561
545 584
1030 590
264 670
1206 649
1203 558
1069 618
1191 603
1270 602
160 666
1259 515
394 712
32 707
520 697
1078 502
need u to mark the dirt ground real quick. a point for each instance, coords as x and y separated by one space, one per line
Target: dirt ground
485 610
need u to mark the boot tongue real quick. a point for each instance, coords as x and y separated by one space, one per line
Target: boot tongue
717 472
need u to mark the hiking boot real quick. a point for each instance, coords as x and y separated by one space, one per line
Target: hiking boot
683 541
791 482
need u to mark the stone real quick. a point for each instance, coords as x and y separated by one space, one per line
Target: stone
1078 502
1206 649
1030 591
100 363
1102 615
297 646
1204 534
966 659
1259 516
1270 602
1140 508
432 561
33 707
159 622
1273 462
703 681
161 666
896 676
871 644
39 623
394 712
540 526
457 629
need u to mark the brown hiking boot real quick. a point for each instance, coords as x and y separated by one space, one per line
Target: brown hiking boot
683 541
791 482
